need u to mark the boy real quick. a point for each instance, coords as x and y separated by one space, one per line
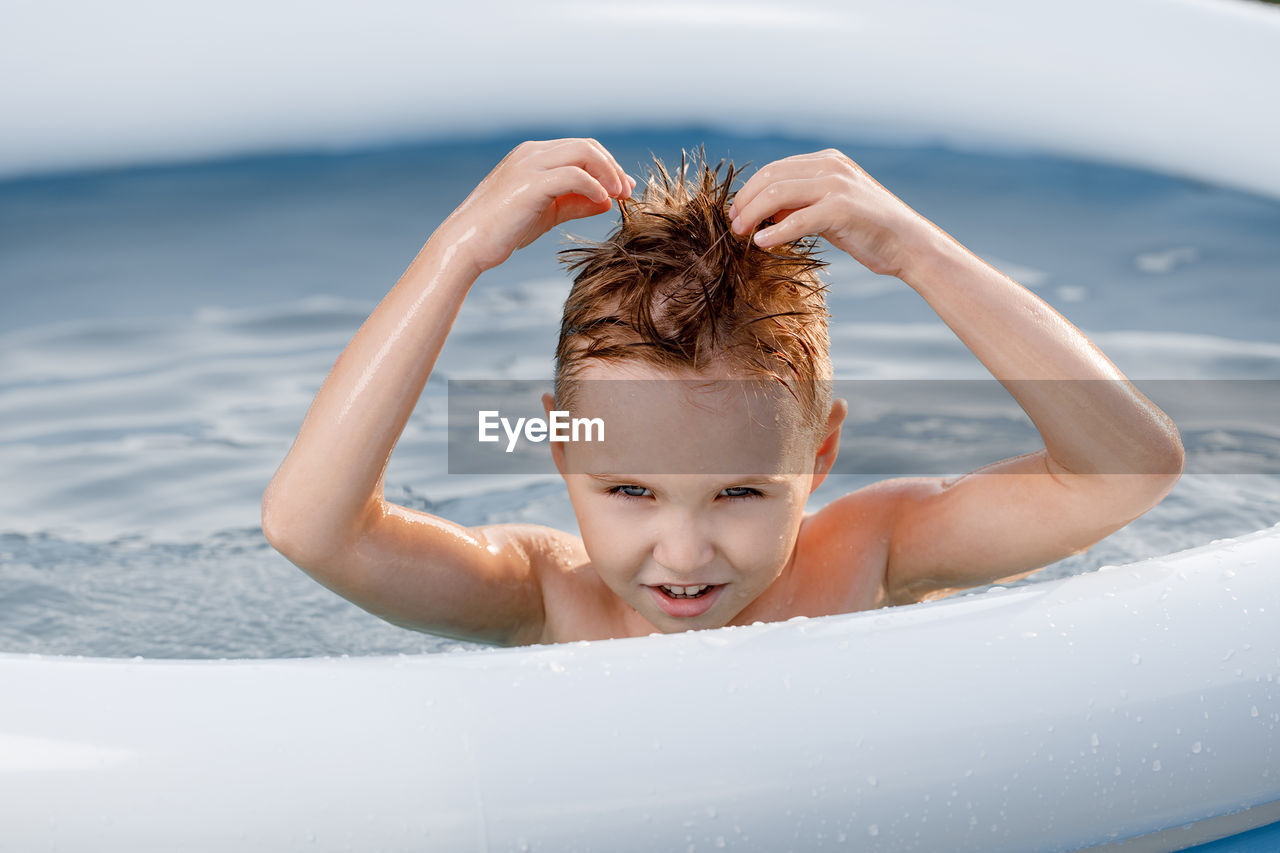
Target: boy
690 516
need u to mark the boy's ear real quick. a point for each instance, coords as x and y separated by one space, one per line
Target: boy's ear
557 447
830 446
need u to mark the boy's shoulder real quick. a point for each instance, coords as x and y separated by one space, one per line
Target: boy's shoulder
576 603
843 549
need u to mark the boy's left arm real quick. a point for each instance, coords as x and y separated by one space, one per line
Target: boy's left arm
1110 454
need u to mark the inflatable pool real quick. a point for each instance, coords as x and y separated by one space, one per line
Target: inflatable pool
1130 703
1132 708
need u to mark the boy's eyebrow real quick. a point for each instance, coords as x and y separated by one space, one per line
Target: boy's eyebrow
613 478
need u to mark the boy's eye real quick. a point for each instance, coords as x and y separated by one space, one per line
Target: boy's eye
630 491
643 492
739 492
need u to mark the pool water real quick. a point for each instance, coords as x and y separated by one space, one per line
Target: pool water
163 331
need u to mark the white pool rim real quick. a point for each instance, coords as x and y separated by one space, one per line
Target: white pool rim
1180 86
1137 702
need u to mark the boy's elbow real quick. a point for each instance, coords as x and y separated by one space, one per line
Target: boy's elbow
1155 476
275 525
1177 459
310 535
1170 461
1156 455
284 531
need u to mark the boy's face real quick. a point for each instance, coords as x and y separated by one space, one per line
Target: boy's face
701 483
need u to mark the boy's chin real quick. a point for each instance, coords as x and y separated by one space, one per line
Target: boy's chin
666 626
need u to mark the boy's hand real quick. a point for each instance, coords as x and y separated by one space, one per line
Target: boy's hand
536 187
826 193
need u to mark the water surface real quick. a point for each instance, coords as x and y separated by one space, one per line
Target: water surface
162 332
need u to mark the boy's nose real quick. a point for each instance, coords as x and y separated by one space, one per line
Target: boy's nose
683 549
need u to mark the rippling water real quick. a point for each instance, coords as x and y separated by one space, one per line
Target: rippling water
162 333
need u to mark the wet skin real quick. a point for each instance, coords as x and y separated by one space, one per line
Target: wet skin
735 521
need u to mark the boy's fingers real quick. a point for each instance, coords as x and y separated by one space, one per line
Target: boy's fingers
579 207
574 179
613 164
591 156
624 182
776 197
799 224
788 168
761 181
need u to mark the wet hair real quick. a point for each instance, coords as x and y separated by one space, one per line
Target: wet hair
672 286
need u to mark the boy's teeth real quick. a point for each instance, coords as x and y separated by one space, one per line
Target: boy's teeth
685 590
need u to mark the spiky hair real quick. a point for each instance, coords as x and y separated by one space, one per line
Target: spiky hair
674 287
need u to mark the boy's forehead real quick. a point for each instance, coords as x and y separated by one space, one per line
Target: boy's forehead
661 422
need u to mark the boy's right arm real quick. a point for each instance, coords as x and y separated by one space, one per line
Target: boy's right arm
325 509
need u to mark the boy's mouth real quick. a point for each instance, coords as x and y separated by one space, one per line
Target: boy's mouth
686 601
695 591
